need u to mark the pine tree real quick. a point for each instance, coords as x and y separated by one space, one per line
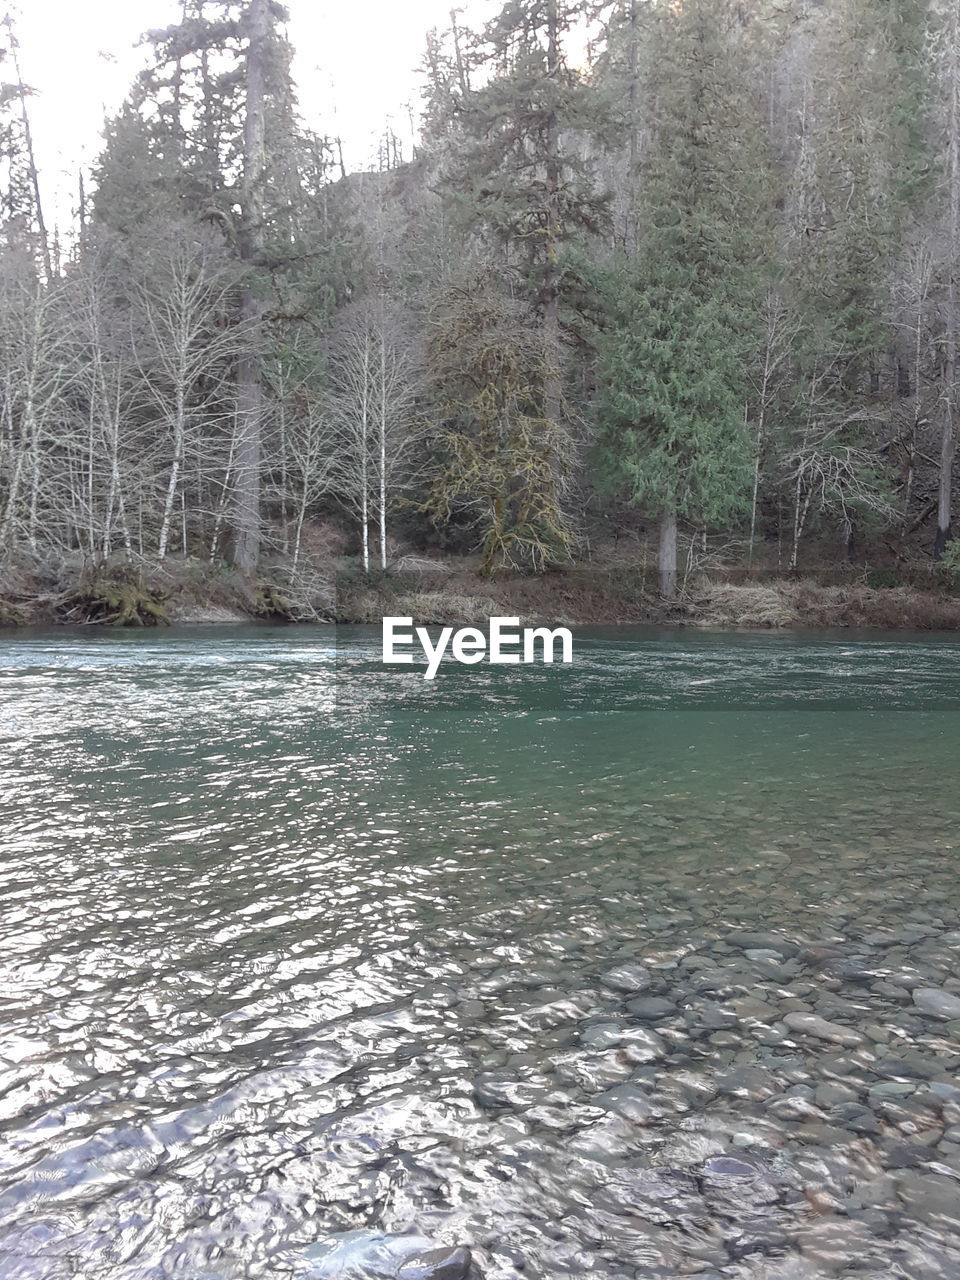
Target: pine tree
523 174
21 206
684 310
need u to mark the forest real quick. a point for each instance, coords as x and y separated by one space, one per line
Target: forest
666 285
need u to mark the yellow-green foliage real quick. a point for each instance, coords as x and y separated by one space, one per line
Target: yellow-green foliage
500 458
11 615
270 603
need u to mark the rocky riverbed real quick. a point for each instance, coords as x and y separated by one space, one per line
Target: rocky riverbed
706 1099
703 1096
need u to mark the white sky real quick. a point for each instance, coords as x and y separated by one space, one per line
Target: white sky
356 68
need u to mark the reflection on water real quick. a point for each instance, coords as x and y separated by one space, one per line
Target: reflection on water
292 946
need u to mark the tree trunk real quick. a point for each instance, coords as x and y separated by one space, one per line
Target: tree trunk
383 440
631 235
551 281
246 537
948 436
179 431
667 559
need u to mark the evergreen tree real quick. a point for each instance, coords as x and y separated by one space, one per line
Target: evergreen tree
684 311
523 174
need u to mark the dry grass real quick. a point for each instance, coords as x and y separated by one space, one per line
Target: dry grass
725 605
892 609
440 608
806 603
368 606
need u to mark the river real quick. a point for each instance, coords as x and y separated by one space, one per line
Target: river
644 967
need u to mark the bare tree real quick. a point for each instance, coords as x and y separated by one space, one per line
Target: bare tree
184 346
305 445
830 477
33 370
779 332
374 379
912 299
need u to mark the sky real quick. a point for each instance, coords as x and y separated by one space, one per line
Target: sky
356 69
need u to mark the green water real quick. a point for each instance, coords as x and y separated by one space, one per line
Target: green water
274 917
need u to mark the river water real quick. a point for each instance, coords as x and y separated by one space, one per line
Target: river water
647 966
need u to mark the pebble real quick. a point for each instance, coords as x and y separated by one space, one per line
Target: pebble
627 977
811 1024
750 1009
651 1008
602 1035
762 942
631 1102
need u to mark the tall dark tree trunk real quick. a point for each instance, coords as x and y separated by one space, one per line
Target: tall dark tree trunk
551 282
246 528
948 443
667 557
631 231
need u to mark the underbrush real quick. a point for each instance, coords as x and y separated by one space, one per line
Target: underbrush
116 599
129 592
807 603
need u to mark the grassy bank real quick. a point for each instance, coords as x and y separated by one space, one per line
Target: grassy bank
592 596
34 592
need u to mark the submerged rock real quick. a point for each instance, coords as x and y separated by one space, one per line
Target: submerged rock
747 941
730 1167
357 1255
627 978
651 1008
631 1102
438 1264
937 1003
811 1024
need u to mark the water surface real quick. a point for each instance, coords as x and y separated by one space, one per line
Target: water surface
293 945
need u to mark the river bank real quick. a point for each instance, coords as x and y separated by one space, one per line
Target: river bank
452 592
591 596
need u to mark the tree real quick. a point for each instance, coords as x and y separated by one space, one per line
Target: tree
374 381
210 135
520 172
19 152
862 168
951 77
246 538
683 312
184 344
34 366
671 409
499 459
